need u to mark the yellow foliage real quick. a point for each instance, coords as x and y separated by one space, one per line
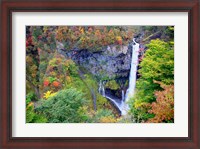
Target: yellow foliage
68 79
108 119
29 59
139 104
82 39
49 94
97 32
82 30
30 104
118 38
45 29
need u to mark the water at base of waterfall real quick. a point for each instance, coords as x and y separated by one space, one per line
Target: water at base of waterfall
123 106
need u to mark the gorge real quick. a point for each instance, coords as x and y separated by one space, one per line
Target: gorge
122 104
88 74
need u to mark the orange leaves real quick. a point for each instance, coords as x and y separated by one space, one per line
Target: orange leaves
56 84
93 37
61 33
48 83
81 30
119 40
97 33
163 108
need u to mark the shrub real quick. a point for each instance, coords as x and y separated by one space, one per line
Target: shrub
30 97
32 117
103 116
112 85
64 107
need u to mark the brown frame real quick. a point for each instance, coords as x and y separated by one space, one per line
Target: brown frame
9 6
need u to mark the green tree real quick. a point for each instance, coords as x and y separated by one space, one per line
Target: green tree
65 107
32 117
157 65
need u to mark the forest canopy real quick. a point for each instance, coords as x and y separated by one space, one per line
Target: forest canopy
81 74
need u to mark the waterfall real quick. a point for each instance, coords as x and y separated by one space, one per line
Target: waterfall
100 87
132 77
123 98
133 71
102 92
103 89
123 106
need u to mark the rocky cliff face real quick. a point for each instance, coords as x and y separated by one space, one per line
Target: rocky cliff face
110 62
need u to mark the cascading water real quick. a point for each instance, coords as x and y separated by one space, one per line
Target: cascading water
133 71
102 89
132 76
123 97
102 92
123 106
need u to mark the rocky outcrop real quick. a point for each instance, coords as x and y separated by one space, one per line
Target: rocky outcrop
108 63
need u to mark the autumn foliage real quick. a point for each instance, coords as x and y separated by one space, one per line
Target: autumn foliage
92 37
46 83
153 99
56 83
163 108
60 90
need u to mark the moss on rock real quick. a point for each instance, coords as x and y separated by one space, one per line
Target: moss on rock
112 84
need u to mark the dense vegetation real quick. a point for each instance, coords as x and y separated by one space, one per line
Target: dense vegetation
59 90
154 97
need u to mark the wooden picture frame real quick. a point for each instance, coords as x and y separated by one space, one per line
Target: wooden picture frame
9 6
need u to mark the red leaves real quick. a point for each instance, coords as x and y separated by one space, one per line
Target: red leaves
39 37
90 30
119 42
29 41
46 83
